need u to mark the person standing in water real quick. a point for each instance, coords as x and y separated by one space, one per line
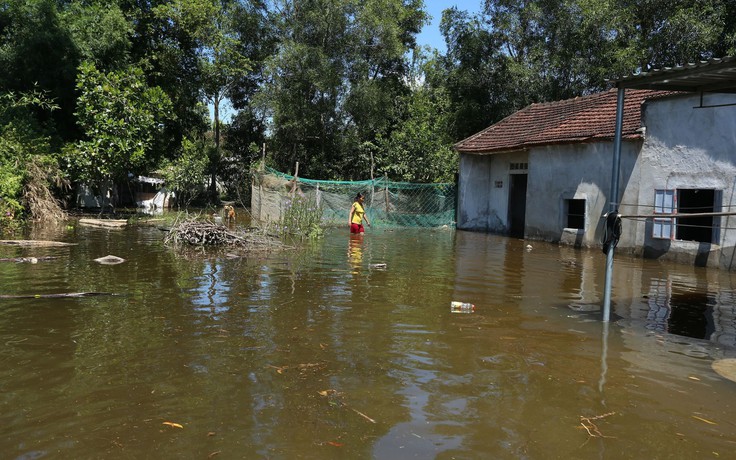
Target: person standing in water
358 215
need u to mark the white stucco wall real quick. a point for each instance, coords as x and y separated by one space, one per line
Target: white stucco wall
577 171
555 174
474 188
482 206
688 147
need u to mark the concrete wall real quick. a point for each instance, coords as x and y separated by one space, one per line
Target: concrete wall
555 174
577 171
474 190
685 146
483 192
688 147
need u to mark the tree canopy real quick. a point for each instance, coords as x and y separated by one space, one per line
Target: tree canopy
339 86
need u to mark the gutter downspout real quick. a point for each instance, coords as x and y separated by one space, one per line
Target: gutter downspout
613 200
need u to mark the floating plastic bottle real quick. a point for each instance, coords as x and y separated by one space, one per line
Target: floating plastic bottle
461 307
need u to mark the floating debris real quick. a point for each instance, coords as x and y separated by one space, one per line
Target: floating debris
105 223
110 260
461 307
204 233
41 243
30 260
57 296
726 368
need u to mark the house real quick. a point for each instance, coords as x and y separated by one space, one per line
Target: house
546 172
149 193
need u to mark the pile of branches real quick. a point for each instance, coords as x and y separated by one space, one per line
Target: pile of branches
205 233
42 204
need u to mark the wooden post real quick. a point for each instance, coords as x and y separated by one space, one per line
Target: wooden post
373 182
386 194
296 178
263 158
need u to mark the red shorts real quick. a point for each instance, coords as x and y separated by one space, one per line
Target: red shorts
356 228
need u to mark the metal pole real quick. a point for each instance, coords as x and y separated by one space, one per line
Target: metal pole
613 200
604 359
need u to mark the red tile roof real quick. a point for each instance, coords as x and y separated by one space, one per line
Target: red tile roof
582 119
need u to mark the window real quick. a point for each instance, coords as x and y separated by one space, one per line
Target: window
575 213
664 203
704 229
518 166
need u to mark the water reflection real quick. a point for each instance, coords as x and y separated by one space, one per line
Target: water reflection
689 312
355 251
319 353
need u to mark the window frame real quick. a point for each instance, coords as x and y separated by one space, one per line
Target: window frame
665 202
582 217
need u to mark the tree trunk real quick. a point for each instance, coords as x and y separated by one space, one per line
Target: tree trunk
216 160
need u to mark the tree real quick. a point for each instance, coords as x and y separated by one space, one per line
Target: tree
222 67
101 33
37 52
27 169
419 147
120 116
186 175
331 86
517 52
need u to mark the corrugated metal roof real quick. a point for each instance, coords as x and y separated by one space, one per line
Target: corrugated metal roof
713 75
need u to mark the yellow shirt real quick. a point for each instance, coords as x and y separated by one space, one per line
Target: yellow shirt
358 212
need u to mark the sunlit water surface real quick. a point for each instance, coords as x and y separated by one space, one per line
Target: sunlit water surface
347 348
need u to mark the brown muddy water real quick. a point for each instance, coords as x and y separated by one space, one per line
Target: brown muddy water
321 353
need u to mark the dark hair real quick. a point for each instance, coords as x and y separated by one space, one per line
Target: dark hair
358 196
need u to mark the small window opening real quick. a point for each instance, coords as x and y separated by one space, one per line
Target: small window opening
575 213
693 201
680 202
518 166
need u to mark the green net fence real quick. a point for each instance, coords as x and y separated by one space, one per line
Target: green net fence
388 204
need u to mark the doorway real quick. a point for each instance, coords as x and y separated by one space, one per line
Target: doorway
517 204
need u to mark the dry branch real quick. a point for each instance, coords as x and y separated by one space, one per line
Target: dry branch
40 200
35 243
32 260
56 296
592 428
204 233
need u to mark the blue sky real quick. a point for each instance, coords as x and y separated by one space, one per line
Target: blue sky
430 34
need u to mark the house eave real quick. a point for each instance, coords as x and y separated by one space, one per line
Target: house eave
526 147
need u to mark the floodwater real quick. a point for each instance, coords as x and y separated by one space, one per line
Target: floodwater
324 352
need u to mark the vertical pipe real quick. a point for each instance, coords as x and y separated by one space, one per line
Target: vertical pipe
613 199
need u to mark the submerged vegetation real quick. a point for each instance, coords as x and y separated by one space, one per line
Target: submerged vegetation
301 218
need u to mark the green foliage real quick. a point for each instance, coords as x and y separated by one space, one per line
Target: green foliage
22 144
120 115
37 52
327 83
330 86
100 31
301 217
419 149
187 174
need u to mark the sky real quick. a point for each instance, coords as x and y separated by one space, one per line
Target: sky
430 34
